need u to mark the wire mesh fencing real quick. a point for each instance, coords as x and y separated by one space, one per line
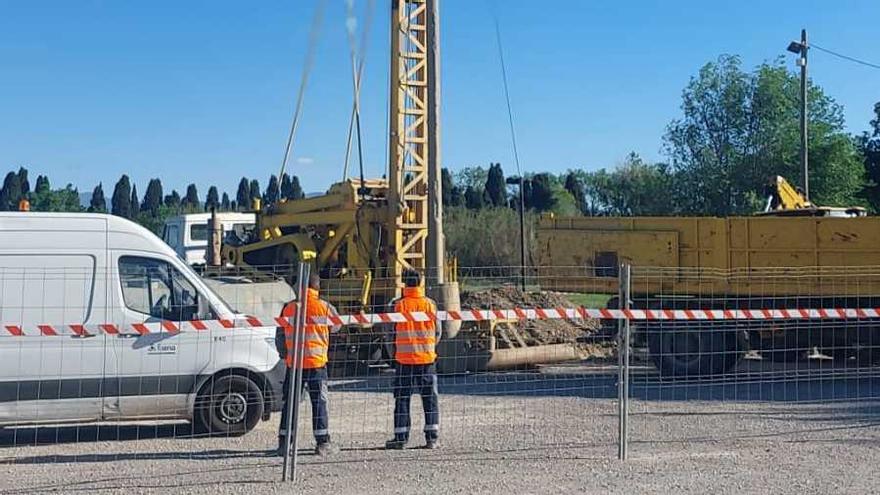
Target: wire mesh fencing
136 358
133 358
506 382
735 358
126 357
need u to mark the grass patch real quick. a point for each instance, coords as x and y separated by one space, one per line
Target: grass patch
588 300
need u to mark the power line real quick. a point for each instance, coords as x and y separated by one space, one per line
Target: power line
845 57
506 91
522 203
314 35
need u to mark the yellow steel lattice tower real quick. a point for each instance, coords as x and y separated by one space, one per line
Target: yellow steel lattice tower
409 146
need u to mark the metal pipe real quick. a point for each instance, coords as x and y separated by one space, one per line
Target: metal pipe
804 117
501 359
623 363
294 374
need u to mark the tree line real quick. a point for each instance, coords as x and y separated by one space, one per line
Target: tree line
151 210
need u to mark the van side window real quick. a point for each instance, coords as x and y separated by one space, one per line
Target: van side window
198 232
155 288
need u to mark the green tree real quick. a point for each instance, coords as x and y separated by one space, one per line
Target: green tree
121 200
243 195
473 198
286 186
633 188
224 203
738 129
61 200
135 202
191 201
296 191
496 188
42 184
212 200
10 194
868 145
97 203
172 200
153 198
451 193
272 193
41 196
539 193
23 182
290 188
575 187
254 191
465 231
474 177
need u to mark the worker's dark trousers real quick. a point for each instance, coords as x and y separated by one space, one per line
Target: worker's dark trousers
420 379
315 381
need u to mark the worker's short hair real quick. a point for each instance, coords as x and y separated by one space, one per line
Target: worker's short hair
314 281
412 278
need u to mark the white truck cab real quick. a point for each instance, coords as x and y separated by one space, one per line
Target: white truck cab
61 273
188 234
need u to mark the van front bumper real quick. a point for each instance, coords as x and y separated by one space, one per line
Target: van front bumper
275 386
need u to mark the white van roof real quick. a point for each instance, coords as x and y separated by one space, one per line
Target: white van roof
226 216
122 233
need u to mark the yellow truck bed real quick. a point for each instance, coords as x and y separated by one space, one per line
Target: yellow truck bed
736 256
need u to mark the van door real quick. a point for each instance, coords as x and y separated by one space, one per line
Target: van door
48 373
153 374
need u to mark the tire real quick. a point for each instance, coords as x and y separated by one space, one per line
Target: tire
229 405
688 350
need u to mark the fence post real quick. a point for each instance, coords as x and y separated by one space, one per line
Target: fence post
294 374
623 352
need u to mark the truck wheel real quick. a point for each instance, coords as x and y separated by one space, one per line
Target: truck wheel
691 350
230 405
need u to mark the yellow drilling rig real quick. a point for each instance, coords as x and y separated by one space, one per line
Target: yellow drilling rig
365 233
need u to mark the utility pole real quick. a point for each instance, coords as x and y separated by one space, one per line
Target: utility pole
436 250
800 48
522 227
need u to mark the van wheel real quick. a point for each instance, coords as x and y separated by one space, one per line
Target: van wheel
230 405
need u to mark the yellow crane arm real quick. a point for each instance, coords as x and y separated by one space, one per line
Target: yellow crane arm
783 196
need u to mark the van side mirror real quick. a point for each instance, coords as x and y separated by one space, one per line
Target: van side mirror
187 312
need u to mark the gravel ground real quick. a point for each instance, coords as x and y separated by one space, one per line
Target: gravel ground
551 432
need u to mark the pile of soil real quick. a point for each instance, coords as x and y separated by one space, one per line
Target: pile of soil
534 332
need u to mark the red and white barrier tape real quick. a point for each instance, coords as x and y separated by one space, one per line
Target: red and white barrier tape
581 313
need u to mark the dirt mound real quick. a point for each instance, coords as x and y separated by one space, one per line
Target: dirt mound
534 332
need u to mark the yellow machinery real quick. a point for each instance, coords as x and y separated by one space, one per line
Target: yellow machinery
794 255
367 233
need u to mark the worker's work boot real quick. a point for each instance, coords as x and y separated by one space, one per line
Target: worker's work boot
396 444
432 443
325 449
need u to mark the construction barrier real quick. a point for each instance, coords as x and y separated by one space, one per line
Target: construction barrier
535 373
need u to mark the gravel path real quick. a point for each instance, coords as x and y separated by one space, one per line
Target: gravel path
505 433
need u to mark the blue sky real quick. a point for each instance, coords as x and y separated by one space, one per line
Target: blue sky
203 91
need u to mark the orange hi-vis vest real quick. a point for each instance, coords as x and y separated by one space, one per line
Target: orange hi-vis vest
316 338
415 341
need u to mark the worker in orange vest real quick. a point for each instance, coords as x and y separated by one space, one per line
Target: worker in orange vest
24 205
314 365
415 354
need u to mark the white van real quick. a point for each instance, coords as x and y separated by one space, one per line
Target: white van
188 234
60 269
